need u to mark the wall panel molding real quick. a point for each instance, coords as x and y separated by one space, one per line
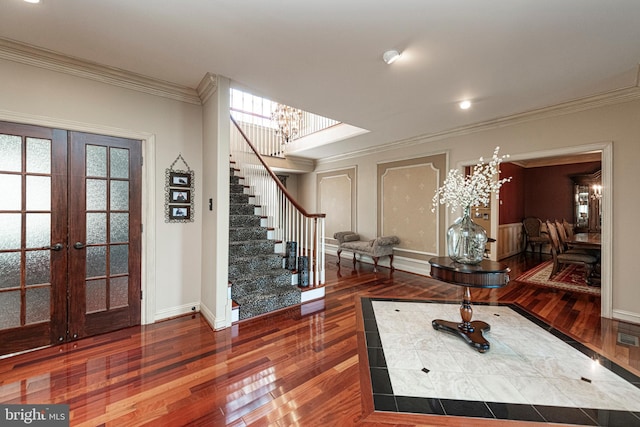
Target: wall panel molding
405 192
337 197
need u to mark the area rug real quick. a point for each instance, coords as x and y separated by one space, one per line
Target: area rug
571 278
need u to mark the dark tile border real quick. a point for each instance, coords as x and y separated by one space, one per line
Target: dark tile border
384 399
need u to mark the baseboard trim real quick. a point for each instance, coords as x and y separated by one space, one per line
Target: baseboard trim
409 265
626 316
208 316
180 310
311 294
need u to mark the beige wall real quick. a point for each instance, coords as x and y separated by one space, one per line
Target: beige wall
174 274
618 123
38 96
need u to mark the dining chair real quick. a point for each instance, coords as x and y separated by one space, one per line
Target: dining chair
561 257
533 233
564 239
568 227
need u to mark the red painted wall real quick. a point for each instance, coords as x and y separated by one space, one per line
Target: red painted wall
512 193
544 192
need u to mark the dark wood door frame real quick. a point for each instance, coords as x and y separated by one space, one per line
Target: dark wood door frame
66 322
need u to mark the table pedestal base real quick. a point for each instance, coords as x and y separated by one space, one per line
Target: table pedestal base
471 332
486 274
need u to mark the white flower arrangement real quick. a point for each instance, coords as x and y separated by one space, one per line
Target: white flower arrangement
473 190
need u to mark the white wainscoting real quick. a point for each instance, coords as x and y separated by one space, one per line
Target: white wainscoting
510 240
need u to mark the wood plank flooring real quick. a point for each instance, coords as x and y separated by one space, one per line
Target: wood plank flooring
300 366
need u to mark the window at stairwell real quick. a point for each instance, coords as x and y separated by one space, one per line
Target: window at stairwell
257 112
252 109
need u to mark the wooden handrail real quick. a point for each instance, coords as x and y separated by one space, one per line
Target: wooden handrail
275 178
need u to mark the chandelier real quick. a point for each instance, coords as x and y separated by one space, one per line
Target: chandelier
288 121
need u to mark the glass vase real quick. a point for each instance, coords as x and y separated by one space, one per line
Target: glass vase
466 240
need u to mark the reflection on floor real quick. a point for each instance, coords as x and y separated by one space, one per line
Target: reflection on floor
532 372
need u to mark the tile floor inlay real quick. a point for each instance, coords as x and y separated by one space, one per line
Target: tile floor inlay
532 372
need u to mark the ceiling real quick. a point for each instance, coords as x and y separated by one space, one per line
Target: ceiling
506 56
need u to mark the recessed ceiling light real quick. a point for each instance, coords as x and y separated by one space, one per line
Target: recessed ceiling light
32 1
465 105
390 56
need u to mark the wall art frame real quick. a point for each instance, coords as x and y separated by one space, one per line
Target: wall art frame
179 193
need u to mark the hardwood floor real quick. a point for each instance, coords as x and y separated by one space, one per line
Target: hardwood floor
299 366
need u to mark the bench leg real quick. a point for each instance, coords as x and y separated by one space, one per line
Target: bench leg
354 260
339 252
391 262
375 264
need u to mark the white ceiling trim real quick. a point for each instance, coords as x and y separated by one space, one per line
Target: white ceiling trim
207 87
42 58
608 98
38 57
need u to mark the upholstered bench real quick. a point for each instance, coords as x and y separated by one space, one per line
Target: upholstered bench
375 248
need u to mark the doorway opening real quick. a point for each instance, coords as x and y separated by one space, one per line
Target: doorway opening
601 152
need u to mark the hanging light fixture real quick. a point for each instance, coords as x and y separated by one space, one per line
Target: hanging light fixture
288 121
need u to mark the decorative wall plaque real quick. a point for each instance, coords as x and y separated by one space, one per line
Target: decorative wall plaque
179 193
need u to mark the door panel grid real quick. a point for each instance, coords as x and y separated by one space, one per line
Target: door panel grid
69 235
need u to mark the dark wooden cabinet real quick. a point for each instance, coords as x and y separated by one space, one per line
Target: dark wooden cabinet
587 202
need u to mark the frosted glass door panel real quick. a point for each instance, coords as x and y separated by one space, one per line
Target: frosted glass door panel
38 266
96 295
38 155
119 259
10 230
119 291
10 309
26 232
96 194
96 228
109 170
9 269
119 195
11 199
38 193
33 172
119 163
96 261
96 161
38 230
38 305
119 227
10 153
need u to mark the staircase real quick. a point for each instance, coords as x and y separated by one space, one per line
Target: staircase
259 283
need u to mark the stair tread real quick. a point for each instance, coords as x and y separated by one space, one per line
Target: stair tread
258 283
240 242
250 227
265 273
247 257
268 294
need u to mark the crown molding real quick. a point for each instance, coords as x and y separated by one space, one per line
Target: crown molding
616 96
49 60
207 87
